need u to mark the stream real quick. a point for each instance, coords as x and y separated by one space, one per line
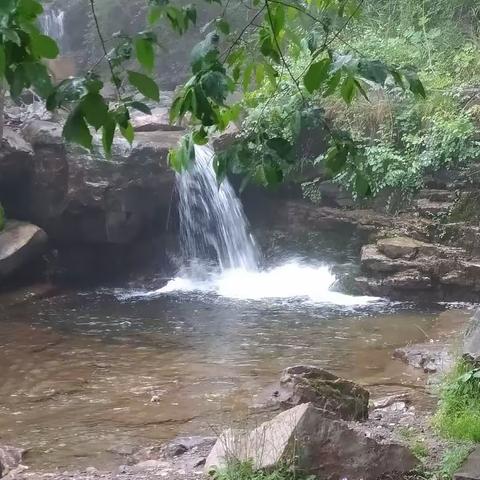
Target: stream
87 376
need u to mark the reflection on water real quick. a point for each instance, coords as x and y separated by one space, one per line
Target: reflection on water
79 371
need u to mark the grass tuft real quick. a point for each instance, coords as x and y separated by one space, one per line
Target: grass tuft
458 415
245 471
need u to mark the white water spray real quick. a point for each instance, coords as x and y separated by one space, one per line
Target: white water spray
213 227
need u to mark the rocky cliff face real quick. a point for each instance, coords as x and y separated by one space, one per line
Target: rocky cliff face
96 212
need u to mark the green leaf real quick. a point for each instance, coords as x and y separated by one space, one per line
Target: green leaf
141 107
108 132
348 89
29 9
6 6
94 109
128 133
12 36
215 86
335 159
18 80
145 85
223 26
76 130
44 46
39 78
362 186
316 74
2 61
415 85
281 146
273 174
145 53
200 137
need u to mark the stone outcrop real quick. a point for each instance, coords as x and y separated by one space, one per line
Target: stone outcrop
334 396
158 121
471 344
402 267
10 458
82 198
93 210
20 243
316 444
470 470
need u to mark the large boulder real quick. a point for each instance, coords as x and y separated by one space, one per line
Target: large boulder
316 444
20 243
335 396
16 162
80 197
10 458
159 120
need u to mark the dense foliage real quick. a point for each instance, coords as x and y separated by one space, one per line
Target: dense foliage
398 138
270 51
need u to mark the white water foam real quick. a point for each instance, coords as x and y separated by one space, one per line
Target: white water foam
292 280
214 230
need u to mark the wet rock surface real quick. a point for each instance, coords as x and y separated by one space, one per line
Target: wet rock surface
402 267
10 459
333 395
94 211
430 357
20 243
182 459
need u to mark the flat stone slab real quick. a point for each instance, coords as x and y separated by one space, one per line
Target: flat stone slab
470 470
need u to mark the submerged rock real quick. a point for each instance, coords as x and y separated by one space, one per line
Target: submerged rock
10 458
20 243
430 357
315 444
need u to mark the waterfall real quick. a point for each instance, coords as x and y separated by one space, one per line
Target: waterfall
53 24
213 228
213 225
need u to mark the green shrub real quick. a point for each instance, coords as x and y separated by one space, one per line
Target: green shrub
458 415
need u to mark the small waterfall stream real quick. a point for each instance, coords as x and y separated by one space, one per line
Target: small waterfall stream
213 225
52 23
220 256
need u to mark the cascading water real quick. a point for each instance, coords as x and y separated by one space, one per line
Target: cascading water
214 229
52 23
213 224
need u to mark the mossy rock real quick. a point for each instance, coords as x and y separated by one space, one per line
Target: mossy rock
335 396
466 209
